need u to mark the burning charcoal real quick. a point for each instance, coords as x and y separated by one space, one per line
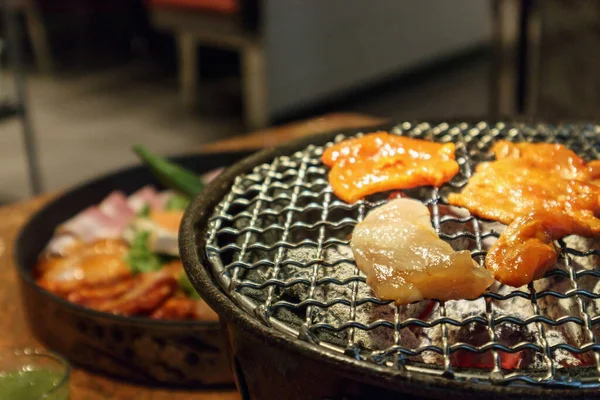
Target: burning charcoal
476 334
339 314
588 283
555 308
452 227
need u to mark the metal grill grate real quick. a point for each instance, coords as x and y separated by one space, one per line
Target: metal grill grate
278 245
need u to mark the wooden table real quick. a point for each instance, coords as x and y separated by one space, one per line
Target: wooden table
88 386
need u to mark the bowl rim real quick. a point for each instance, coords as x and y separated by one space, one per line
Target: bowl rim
193 237
25 273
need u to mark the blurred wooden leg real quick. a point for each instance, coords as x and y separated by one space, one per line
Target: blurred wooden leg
188 68
254 86
517 34
15 57
505 77
39 38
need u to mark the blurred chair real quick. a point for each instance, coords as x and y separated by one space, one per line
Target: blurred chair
515 78
18 107
230 24
36 30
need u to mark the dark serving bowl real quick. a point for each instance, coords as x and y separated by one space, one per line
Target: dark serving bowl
187 354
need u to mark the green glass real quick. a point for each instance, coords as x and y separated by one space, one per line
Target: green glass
33 375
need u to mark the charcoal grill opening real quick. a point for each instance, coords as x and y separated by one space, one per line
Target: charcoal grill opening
278 246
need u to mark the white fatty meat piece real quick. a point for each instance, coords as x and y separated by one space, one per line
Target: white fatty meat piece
406 261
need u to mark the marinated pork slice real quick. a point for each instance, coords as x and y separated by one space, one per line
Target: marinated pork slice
526 250
540 207
379 162
149 292
549 156
508 189
84 265
406 261
94 296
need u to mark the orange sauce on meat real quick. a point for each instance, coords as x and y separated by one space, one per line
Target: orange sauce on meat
543 192
85 264
549 156
380 161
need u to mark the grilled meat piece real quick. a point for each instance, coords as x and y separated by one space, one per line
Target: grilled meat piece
84 265
507 189
526 251
555 158
149 292
406 261
380 162
96 295
95 275
541 201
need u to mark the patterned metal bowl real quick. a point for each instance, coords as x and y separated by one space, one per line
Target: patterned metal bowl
166 353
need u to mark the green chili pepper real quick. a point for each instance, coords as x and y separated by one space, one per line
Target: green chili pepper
170 174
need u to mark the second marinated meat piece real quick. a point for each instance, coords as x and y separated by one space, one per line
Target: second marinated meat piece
379 162
526 251
507 189
549 156
538 205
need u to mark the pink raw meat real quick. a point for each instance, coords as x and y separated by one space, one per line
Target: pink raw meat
116 207
146 195
91 224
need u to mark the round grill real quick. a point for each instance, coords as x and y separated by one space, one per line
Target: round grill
278 246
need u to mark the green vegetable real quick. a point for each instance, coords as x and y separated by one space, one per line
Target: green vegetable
144 211
178 202
186 286
139 257
170 174
33 382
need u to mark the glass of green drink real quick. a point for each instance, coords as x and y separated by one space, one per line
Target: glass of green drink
27 374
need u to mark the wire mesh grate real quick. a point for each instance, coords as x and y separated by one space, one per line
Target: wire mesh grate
278 246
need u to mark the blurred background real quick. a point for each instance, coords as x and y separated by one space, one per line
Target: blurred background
101 75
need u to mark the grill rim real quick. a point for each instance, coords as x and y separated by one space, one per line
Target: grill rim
192 242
